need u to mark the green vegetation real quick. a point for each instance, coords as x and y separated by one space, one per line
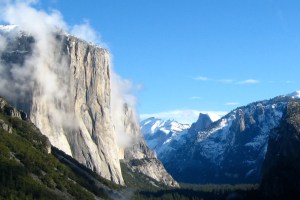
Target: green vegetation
83 170
202 192
147 188
27 171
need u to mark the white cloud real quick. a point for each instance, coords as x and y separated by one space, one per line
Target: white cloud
3 43
232 103
225 81
86 32
248 81
184 116
122 91
228 81
195 98
202 78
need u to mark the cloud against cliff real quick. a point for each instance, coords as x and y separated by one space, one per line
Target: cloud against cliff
121 95
48 68
2 43
45 68
86 32
3 81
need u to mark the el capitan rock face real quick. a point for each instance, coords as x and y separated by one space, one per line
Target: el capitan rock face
69 99
64 84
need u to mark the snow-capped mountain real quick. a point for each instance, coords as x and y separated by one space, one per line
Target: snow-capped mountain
294 95
230 150
164 136
152 125
158 133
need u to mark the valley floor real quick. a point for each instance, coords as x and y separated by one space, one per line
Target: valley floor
203 192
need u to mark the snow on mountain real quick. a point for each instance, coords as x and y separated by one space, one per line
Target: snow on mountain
213 116
158 133
230 150
165 136
295 94
152 125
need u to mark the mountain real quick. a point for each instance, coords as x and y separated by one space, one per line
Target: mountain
32 169
139 158
203 122
69 92
230 150
158 133
163 136
281 168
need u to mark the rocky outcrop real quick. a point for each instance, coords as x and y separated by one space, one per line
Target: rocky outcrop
203 122
10 111
281 168
5 126
139 158
152 168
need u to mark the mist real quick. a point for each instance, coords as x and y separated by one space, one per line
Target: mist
47 69
122 95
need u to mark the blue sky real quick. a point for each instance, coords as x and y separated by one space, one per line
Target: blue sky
204 55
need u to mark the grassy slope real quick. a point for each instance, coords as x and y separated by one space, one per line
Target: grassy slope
27 171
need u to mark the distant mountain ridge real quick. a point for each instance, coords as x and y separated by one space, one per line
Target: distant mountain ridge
230 150
161 135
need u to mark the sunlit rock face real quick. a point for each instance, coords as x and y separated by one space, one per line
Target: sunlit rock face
64 86
139 157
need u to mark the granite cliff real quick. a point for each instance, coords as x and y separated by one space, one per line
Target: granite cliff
64 84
